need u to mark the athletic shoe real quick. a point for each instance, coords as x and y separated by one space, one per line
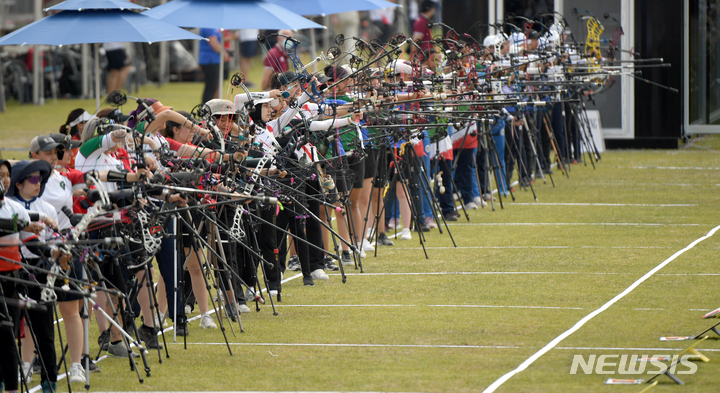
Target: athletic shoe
119 351
181 329
104 340
405 234
329 263
487 197
149 337
383 240
76 373
27 371
294 263
243 308
366 246
392 224
308 281
36 367
319 274
206 322
479 201
93 367
188 309
430 223
347 258
450 217
162 318
423 227
456 196
48 387
362 254
471 206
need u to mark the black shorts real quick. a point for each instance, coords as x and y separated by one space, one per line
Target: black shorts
116 59
77 272
186 234
248 49
370 163
353 178
382 173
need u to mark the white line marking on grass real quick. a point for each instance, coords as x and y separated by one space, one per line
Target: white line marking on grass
634 185
344 305
362 345
508 273
630 224
606 204
648 309
486 306
524 365
438 346
695 168
527 247
632 349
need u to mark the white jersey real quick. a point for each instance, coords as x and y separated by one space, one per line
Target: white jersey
10 210
58 193
161 142
39 206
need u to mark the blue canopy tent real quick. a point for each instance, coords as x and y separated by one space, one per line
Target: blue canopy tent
76 25
229 15
329 7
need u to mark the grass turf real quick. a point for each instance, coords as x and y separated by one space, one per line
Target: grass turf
464 317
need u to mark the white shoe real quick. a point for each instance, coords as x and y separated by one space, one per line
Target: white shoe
471 206
206 322
405 234
188 309
27 371
243 308
366 246
480 202
162 318
319 274
362 254
392 224
76 373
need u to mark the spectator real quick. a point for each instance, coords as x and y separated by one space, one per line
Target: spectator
209 61
248 50
383 19
347 24
421 31
276 60
118 68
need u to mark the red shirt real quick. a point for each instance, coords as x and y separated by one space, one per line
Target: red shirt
420 26
277 59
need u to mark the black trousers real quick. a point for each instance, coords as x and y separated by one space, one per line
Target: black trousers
9 360
212 75
41 323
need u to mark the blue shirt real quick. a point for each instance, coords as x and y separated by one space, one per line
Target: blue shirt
207 54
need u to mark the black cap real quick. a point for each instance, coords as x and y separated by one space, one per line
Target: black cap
66 141
117 116
43 143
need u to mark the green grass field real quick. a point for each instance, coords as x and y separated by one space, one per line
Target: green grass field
456 322
464 317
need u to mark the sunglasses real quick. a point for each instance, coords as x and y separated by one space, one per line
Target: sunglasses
34 179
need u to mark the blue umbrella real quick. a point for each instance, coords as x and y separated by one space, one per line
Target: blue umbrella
81 5
230 15
95 27
328 7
